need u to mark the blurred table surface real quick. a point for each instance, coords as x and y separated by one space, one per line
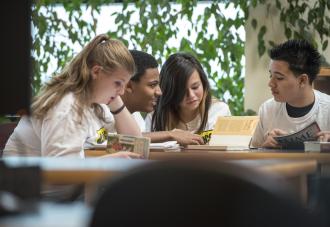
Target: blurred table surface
47 214
92 170
254 154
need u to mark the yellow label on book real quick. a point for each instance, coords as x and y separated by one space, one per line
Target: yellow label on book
206 135
101 135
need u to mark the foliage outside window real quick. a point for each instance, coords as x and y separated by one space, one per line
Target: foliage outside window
157 25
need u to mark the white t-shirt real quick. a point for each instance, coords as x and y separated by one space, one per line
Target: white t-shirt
274 115
59 133
139 119
217 109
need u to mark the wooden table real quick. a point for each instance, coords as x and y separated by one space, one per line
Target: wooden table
254 154
91 171
75 170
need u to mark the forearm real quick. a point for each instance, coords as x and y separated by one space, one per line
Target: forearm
126 124
156 137
124 121
182 137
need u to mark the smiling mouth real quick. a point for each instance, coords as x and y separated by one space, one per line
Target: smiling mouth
154 102
191 102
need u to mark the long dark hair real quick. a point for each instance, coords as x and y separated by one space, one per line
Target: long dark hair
174 75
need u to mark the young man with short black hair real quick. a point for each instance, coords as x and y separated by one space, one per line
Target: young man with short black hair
294 66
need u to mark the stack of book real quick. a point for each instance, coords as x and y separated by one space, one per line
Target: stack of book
169 146
317 146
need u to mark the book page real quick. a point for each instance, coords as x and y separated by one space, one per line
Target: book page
236 125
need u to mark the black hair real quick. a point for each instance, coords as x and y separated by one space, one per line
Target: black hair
301 56
174 75
143 61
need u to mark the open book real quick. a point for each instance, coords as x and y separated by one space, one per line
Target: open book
296 140
231 133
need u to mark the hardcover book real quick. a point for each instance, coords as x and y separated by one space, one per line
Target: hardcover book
119 142
317 146
231 133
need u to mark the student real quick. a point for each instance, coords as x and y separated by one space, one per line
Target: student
141 95
76 104
186 103
294 66
142 91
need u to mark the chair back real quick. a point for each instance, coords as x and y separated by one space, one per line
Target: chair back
6 129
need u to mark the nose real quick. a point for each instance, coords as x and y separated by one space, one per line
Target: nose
158 91
121 90
189 93
271 82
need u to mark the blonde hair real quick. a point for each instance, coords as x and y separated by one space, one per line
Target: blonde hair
76 77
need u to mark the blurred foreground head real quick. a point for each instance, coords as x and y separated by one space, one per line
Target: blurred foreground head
203 193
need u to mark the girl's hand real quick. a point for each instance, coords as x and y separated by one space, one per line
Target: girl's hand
185 137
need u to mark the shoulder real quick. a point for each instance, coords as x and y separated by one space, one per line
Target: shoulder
270 105
149 115
323 99
219 108
65 105
140 120
137 116
63 109
66 109
147 120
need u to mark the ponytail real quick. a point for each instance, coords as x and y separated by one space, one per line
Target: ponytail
76 76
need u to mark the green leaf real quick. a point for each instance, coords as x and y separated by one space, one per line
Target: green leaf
262 31
288 32
157 24
254 23
271 43
278 5
325 45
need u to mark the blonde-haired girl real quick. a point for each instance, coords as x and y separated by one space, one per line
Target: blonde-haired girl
76 104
